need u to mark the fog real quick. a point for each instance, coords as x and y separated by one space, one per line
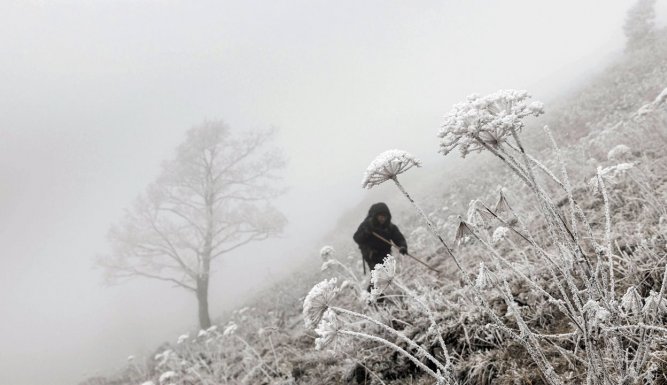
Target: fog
96 94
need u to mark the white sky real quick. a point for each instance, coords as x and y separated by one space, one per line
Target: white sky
95 94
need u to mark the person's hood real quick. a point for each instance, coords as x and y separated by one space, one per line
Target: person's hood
379 208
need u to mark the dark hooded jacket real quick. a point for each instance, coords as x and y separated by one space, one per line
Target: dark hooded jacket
373 249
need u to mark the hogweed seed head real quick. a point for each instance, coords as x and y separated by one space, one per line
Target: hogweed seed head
327 330
387 166
318 301
382 276
327 252
490 119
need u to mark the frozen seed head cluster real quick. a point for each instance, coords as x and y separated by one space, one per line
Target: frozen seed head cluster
327 252
387 166
317 302
327 330
487 120
382 276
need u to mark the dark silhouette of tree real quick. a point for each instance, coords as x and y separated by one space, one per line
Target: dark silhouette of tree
211 198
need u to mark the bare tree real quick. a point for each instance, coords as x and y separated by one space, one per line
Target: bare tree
211 198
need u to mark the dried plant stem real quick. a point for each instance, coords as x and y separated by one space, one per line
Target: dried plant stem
607 236
394 332
430 224
431 317
396 348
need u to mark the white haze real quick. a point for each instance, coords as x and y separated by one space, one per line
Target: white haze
95 94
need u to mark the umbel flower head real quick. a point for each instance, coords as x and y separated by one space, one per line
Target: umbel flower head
382 276
317 302
327 330
387 166
487 120
327 252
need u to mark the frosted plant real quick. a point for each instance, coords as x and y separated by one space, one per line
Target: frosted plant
329 263
202 333
230 329
382 276
611 174
327 252
483 277
619 152
182 338
148 383
485 121
164 357
598 315
631 302
387 166
327 330
654 303
651 107
500 233
167 376
318 301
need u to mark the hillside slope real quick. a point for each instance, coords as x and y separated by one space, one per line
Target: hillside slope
267 343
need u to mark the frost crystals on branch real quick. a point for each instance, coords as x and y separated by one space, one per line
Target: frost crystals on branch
487 120
387 166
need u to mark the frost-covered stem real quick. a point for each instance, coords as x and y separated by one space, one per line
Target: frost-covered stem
369 370
392 331
548 204
347 269
550 266
396 348
527 337
641 326
541 166
591 236
430 225
431 317
663 287
566 183
517 169
275 356
196 373
568 311
259 357
607 235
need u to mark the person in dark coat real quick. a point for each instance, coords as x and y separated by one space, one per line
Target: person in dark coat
373 249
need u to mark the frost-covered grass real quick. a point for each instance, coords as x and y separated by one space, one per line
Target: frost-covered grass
559 275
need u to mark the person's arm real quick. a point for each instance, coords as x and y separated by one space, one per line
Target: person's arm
398 238
362 234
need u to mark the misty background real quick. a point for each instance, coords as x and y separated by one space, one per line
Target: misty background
96 94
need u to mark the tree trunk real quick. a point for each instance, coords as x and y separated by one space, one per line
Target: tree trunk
202 301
